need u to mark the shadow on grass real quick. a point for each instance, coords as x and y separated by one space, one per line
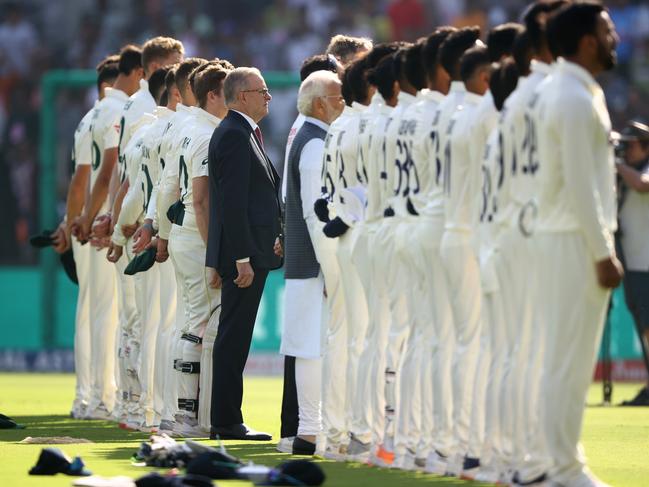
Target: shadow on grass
61 425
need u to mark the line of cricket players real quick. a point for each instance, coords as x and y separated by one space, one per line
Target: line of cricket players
469 203
469 198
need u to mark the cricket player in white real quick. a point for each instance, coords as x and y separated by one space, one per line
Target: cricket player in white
82 158
450 50
577 218
422 254
459 250
105 140
368 421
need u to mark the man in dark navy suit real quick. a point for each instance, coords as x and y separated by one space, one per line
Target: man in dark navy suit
243 242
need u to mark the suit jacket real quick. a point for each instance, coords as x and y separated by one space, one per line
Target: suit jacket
245 215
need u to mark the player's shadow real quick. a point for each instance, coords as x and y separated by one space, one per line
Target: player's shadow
61 425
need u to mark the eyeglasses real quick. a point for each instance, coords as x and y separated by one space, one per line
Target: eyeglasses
261 91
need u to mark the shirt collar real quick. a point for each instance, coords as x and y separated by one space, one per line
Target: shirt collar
115 93
471 99
537 66
208 117
433 95
248 119
456 87
358 107
319 123
578 72
377 99
144 85
405 98
180 108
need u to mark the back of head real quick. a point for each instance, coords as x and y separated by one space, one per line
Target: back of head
130 58
454 46
157 82
237 81
313 86
170 78
184 70
522 53
346 48
430 51
535 19
107 70
382 76
354 88
500 40
472 60
503 81
570 24
319 62
209 79
414 68
381 50
160 50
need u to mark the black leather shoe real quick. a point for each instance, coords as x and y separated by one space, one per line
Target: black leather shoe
238 432
303 447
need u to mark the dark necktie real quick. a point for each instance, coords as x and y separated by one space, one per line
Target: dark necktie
259 137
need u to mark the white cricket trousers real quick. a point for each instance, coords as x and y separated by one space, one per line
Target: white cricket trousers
207 361
334 360
308 379
463 274
357 317
147 299
437 342
487 429
164 374
575 309
103 327
410 373
129 335
368 423
82 333
187 251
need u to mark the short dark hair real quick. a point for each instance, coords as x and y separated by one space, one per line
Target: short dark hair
157 82
570 24
522 53
503 80
382 76
381 50
209 79
354 85
113 58
535 22
430 52
414 68
454 46
184 70
170 78
107 72
319 62
164 98
130 58
472 60
500 40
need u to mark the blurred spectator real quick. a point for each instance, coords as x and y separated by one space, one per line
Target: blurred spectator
408 19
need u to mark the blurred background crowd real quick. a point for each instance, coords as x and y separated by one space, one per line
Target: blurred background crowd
41 35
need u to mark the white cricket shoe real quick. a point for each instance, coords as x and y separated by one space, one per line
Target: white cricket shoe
285 445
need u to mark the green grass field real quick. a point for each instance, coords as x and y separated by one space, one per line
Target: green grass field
616 439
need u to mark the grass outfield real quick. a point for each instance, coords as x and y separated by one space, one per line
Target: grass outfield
616 439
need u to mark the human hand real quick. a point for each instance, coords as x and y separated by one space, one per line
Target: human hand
214 278
129 230
102 226
162 254
277 248
142 237
60 239
245 274
609 272
114 252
